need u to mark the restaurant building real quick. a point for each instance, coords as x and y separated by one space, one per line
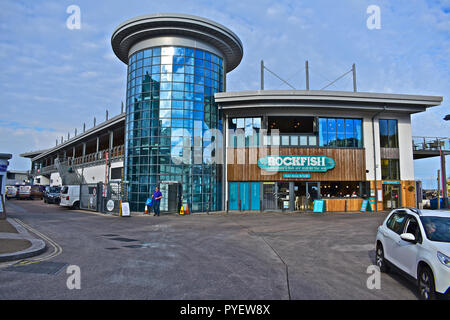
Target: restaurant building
285 149
258 150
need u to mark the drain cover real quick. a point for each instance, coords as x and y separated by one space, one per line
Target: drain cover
124 239
41 267
110 235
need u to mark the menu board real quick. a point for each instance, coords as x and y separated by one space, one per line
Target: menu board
319 206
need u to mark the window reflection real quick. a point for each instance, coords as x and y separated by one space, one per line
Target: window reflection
172 87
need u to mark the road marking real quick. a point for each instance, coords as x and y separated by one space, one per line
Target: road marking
57 249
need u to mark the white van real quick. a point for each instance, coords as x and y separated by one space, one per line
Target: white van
70 196
11 192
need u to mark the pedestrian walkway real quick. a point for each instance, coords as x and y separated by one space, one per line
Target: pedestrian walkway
17 243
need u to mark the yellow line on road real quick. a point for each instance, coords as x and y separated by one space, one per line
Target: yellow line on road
57 249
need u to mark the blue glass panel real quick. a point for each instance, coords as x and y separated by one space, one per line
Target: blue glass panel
147 53
178 69
177 104
178 77
156 61
358 132
340 131
156 69
255 195
189 61
198 62
331 123
189 69
156 51
177 95
198 115
349 134
199 53
178 60
244 195
233 195
322 132
189 52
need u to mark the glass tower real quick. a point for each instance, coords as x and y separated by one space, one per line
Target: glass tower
171 118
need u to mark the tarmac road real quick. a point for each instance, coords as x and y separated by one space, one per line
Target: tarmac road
240 256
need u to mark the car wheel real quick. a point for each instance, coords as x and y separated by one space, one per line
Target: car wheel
426 284
381 262
76 205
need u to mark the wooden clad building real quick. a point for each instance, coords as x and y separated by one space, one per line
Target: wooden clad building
277 142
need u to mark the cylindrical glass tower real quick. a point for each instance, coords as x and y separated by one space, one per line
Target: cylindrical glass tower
176 64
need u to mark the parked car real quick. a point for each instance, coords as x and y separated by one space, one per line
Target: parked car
11 192
30 192
70 196
417 242
52 195
37 192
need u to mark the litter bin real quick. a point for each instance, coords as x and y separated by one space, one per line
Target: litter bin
434 203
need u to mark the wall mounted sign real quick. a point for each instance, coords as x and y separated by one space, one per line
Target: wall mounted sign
296 163
391 182
296 176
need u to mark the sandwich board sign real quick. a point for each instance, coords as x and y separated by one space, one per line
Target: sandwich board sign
365 206
319 206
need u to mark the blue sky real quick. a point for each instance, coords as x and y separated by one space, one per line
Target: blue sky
53 79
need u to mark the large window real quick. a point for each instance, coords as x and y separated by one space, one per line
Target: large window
390 169
170 103
388 134
341 133
340 189
244 132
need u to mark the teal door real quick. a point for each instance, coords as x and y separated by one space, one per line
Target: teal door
233 196
245 203
255 196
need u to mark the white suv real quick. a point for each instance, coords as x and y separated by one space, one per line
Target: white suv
418 243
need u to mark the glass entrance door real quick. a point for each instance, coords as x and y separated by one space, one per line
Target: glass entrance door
312 193
391 196
283 196
305 193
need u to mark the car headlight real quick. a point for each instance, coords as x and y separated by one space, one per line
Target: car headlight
443 259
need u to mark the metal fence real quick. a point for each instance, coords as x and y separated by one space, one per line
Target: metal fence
103 198
89 196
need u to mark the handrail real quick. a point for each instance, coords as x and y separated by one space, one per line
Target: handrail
116 152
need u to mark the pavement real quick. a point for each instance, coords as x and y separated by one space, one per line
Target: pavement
268 256
17 243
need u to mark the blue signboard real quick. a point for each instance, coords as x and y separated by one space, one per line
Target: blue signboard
319 206
365 206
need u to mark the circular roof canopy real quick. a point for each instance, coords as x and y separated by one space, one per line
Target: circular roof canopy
166 24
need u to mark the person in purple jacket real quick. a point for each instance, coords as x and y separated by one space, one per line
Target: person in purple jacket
156 196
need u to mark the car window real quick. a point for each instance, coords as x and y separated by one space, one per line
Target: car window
396 222
412 227
436 228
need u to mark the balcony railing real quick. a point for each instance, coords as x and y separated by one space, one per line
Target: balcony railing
117 154
431 144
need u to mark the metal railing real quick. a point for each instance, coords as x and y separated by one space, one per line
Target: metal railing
431 143
117 153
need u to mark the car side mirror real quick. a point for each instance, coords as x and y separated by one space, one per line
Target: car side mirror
409 237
